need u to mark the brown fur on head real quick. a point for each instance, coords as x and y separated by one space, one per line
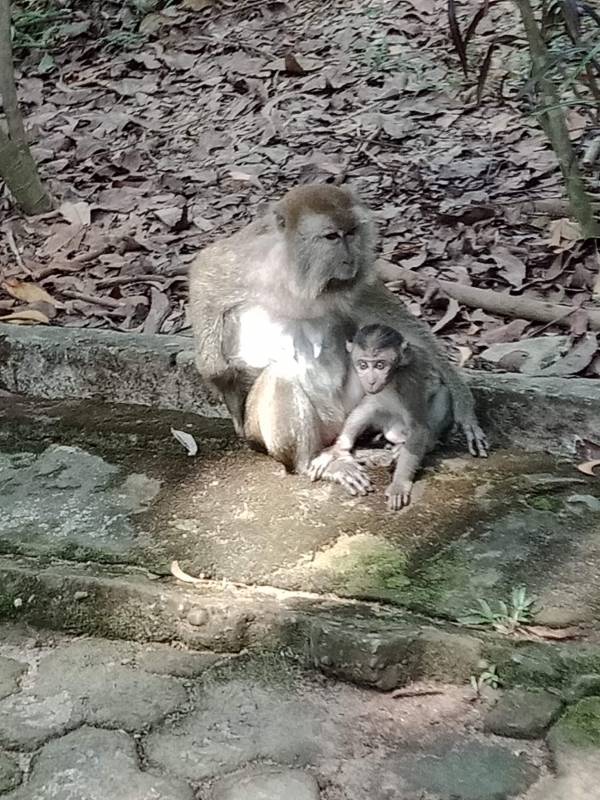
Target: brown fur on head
377 352
329 241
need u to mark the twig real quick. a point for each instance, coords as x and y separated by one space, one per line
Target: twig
107 302
10 238
504 305
415 693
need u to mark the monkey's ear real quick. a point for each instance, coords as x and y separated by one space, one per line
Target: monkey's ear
349 345
405 354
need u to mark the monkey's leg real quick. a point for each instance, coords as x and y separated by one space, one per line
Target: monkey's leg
409 458
281 418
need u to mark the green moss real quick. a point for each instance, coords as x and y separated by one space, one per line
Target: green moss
580 726
543 502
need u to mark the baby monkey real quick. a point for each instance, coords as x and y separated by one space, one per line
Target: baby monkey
395 390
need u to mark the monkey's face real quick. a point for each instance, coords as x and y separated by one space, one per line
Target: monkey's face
329 240
374 367
329 253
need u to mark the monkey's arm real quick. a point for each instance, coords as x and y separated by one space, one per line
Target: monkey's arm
356 422
377 304
409 458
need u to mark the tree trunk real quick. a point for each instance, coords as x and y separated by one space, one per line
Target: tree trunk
18 170
17 167
553 122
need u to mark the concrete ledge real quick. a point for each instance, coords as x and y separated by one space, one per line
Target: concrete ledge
356 641
152 370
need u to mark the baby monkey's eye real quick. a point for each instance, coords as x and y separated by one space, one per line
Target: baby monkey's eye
363 365
380 365
331 237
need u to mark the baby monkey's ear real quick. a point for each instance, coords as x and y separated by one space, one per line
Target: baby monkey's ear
349 345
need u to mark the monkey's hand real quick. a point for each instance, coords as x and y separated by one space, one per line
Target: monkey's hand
341 467
319 464
476 438
398 494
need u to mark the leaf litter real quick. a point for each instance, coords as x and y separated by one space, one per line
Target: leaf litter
163 130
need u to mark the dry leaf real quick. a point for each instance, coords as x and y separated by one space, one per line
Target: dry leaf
576 360
27 292
451 311
588 467
197 5
26 316
187 440
76 213
178 573
465 354
542 632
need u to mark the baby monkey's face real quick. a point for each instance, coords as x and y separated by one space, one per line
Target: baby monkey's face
373 367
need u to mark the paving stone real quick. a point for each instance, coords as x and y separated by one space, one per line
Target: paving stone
10 774
91 681
10 672
111 693
456 768
27 721
523 713
236 723
92 764
289 784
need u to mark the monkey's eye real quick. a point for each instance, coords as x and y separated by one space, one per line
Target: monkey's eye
351 232
362 365
331 237
380 365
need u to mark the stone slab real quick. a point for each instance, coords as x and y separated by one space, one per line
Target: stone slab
156 370
78 485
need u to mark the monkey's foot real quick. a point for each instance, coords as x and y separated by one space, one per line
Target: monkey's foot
476 439
398 495
349 474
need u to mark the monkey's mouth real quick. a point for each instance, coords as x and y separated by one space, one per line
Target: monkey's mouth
339 284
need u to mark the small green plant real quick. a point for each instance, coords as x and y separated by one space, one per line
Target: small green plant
489 677
507 617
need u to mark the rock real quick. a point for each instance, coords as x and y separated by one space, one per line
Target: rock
362 655
288 784
577 730
575 745
584 686
10 774
10 672
447 657
197 616
95 765
539 352
523 713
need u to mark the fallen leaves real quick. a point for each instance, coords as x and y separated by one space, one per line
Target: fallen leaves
187 440
162 144
588 467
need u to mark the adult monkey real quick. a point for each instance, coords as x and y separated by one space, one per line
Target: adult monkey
272 307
